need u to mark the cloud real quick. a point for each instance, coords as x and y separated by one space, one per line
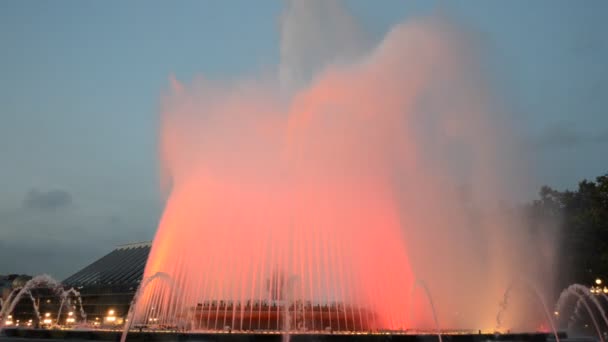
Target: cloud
35 243
47 200
56 232
567 135
560 134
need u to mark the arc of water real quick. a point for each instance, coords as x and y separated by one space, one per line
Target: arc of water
82 312
61 304
65 296
143 285
575 315
603 295
539 298
422 284
8 301
583 290
43 280
573 290
579 304
587 292
11 303
36 308
40 281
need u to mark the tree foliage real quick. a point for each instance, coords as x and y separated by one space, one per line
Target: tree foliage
582 218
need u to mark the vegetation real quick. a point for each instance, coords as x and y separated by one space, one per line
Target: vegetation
581 217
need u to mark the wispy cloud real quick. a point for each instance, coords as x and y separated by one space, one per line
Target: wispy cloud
567 135
47 200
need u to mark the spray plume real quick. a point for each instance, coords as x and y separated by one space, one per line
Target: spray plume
332 188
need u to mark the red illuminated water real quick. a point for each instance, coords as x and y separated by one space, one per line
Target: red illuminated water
310 210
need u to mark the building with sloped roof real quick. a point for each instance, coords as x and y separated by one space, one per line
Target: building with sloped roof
110 282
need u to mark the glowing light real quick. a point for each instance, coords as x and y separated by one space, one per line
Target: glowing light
71 313
70 320
556 313
598 281
48 314
47 321
318 190
110 318
605 289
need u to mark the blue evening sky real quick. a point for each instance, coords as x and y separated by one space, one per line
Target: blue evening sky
80 84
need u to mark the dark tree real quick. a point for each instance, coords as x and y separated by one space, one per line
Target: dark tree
582 216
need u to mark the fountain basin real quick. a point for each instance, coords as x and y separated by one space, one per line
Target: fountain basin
107 335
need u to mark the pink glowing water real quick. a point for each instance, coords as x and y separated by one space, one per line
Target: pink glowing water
332 194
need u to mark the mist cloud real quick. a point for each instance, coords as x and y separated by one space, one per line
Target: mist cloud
375 145
47 200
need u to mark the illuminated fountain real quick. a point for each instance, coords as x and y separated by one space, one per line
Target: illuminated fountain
421 284
41 281
537 295
309 207
584 296
66 297
44 282
317 205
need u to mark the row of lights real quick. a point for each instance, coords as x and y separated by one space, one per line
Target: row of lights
597 289
9 321
110 318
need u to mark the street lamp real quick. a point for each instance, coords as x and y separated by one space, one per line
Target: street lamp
47 318
70 318
110 318
598 281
